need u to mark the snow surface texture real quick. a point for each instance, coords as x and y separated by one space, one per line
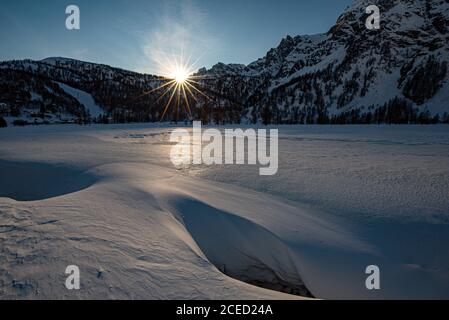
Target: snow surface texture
108 200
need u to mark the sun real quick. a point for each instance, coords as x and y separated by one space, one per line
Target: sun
180 75
179 84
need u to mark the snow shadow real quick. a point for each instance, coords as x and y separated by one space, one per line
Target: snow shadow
240 248
29 181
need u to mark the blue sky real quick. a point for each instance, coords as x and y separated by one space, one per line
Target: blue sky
141 35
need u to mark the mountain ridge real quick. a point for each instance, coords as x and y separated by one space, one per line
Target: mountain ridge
398 74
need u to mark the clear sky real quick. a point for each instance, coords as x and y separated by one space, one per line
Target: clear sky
140 34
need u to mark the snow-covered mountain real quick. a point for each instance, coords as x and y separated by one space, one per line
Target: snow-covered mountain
352 74
398 74
83 91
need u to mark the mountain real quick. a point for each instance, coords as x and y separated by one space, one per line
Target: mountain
66 90
397 74
352 74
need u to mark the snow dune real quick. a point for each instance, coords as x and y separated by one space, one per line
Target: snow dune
126 245
139 228
237 246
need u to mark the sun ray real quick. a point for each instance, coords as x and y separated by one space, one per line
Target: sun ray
156 89
201 77
191 93
193 81
187 102
179 82
194 88
178 101
169 102
193 65
173 84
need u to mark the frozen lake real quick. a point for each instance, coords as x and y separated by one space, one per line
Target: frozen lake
344 197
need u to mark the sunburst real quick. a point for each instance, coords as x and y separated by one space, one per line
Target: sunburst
180 75
179 84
